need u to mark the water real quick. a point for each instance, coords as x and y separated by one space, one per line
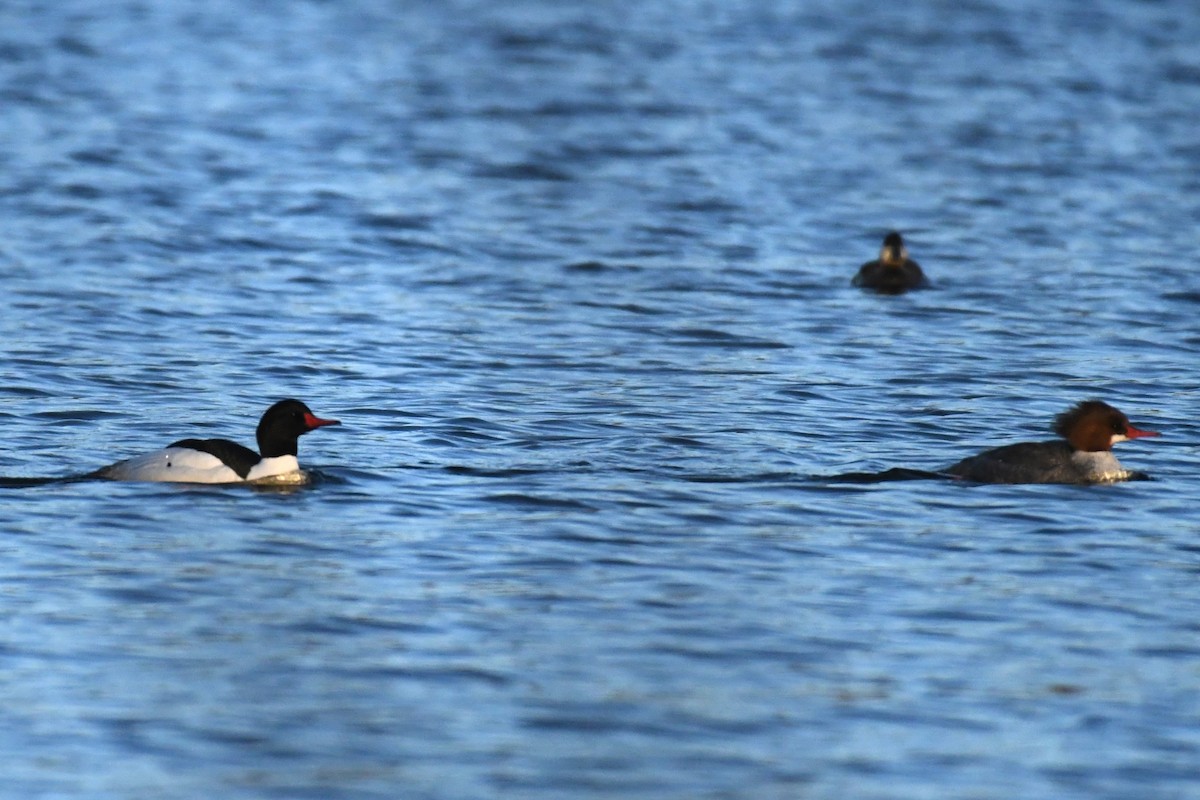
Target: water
575 277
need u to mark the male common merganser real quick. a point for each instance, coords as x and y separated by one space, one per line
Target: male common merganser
223 461
894 272
1083 455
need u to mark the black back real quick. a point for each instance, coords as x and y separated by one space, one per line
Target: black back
233 455
890 280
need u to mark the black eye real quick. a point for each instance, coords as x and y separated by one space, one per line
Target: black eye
1118 425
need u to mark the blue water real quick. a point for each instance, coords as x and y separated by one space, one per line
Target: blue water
575 277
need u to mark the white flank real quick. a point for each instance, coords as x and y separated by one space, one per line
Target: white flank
175 464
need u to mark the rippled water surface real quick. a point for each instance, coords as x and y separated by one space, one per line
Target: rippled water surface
575 278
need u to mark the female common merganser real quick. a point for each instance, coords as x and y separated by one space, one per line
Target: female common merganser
1090 429
894 272
223 461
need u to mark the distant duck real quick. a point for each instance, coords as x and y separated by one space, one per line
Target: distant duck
893 272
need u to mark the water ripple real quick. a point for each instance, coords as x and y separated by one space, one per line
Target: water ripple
636 495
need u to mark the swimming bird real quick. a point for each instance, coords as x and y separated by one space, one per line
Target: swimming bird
893 272
223 461
1083 454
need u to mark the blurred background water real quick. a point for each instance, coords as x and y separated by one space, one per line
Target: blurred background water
575 277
